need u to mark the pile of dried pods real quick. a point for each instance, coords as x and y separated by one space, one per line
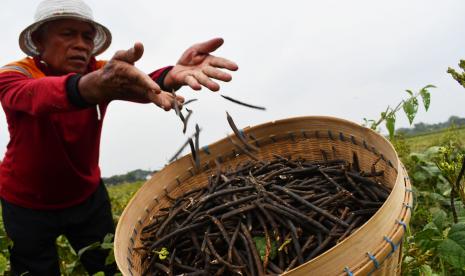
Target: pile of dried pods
261 218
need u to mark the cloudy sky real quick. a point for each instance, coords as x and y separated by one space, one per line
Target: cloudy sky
349 59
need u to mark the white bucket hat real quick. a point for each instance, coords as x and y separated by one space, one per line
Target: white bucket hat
49 10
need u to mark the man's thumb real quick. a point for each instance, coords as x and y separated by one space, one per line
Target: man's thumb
131 55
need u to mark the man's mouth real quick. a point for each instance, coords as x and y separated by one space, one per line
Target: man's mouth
79 59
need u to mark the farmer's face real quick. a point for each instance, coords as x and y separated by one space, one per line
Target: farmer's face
66 45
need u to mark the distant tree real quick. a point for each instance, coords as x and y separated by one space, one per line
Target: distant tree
132 176
455 120
420 128
459 77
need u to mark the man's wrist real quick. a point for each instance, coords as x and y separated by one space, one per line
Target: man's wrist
87 88
169 82
73 92
161 79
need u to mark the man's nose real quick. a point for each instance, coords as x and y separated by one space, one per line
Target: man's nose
83 43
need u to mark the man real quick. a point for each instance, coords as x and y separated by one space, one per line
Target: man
55 101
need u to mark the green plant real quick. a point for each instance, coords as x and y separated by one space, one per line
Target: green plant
107 244
5 243
435 243
69 260
459 77
120 196
438 246
410 107
451 162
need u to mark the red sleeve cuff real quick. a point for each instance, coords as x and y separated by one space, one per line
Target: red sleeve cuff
73 93
159 76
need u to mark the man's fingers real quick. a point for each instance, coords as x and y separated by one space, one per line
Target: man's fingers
220 62
197 79
159 99
206 81
215 73
131 55
209 46
192 82
138 78
166 100
180 99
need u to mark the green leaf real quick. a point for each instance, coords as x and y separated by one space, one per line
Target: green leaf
418 157
369 123
431 151
420 176
426 97
107 245
390 124
431 170
426 270
410 108
110 259
5 243
452 249
3 264
427 234
439 219
107 241
428 86
410 92
460 212
434 196
95 245
162 254
108 238
100 273
260 243
429 237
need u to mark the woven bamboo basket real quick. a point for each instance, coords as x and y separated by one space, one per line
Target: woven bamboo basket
374 249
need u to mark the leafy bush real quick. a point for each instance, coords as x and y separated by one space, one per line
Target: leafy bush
435 243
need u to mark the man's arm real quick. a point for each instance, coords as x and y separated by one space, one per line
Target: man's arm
119 79
35 96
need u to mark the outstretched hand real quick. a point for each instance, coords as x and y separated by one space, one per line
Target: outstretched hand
119 79
197 67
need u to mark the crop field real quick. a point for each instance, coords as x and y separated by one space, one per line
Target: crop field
421 142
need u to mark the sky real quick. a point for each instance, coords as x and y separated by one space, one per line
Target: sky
347 59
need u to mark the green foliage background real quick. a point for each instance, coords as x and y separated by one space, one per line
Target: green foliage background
434 244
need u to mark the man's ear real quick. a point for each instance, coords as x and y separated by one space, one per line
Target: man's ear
37 38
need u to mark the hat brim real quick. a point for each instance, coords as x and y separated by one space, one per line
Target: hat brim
102 38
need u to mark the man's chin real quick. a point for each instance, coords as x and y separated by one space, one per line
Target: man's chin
76 69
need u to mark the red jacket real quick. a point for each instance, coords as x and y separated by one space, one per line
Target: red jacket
51 161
